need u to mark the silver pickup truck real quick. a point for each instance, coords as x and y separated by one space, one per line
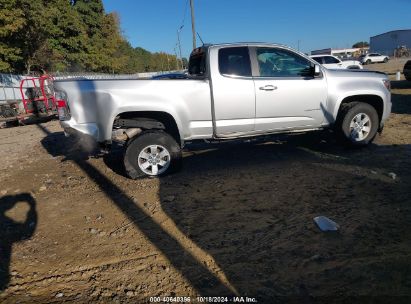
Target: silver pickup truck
231 91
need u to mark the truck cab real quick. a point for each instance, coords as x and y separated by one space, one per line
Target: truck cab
253 88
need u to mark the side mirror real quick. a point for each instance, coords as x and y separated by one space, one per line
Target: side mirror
317 70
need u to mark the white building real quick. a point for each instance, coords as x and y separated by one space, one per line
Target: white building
387 43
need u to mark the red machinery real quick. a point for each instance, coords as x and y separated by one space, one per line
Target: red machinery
38 96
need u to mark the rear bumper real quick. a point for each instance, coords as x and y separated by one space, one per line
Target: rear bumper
387 108
86 130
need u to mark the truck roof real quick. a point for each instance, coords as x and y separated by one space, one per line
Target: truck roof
245 43
255 44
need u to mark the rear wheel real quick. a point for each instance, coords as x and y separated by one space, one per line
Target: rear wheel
153 153
358 123
368 61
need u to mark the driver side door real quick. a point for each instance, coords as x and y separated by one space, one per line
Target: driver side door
288 96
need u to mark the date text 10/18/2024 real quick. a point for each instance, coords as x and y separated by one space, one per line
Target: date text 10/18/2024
203 300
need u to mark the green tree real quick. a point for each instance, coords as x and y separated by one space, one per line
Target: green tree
50 37
32 36
361 44
185 62
64 35
11 22
69 35
114 56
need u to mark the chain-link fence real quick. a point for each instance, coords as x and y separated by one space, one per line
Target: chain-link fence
10 83
10 88
97 76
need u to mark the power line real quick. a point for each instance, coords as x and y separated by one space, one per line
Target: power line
182 26
180 29
185 14
179 44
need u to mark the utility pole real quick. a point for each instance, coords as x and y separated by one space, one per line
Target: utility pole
175 52
193 23
180 64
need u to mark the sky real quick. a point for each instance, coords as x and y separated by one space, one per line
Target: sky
310 24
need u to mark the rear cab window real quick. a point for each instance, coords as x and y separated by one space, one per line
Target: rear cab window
234 61
197 66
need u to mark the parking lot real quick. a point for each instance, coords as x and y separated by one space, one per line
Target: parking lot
237 220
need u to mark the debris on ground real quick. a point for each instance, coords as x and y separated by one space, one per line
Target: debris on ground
392 175
325 224
169 199
60 295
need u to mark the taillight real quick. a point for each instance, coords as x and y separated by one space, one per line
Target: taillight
62 106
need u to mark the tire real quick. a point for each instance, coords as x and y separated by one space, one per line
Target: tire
155 147
385 60
407 70
368 61
352 124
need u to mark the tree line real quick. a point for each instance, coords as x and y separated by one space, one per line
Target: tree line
69 36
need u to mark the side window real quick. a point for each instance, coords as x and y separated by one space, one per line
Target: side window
318 59
330 60
274 62
234 61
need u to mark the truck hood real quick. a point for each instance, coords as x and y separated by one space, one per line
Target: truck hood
356 73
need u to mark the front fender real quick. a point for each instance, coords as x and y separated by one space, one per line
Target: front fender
352 95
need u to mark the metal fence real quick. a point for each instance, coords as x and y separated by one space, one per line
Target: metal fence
10 88
10 83
97 76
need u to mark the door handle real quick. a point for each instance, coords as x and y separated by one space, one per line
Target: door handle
268 88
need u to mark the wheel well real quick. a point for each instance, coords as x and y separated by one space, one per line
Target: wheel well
373 100
170 125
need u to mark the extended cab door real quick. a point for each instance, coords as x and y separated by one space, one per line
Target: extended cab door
288 96
233 90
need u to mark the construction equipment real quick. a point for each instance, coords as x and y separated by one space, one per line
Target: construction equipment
402 51
37 101
38 95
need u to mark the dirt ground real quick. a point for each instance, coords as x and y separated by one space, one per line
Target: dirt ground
237 220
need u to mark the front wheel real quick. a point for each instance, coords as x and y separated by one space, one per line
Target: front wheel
358 123
368 61
153 153
385 60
